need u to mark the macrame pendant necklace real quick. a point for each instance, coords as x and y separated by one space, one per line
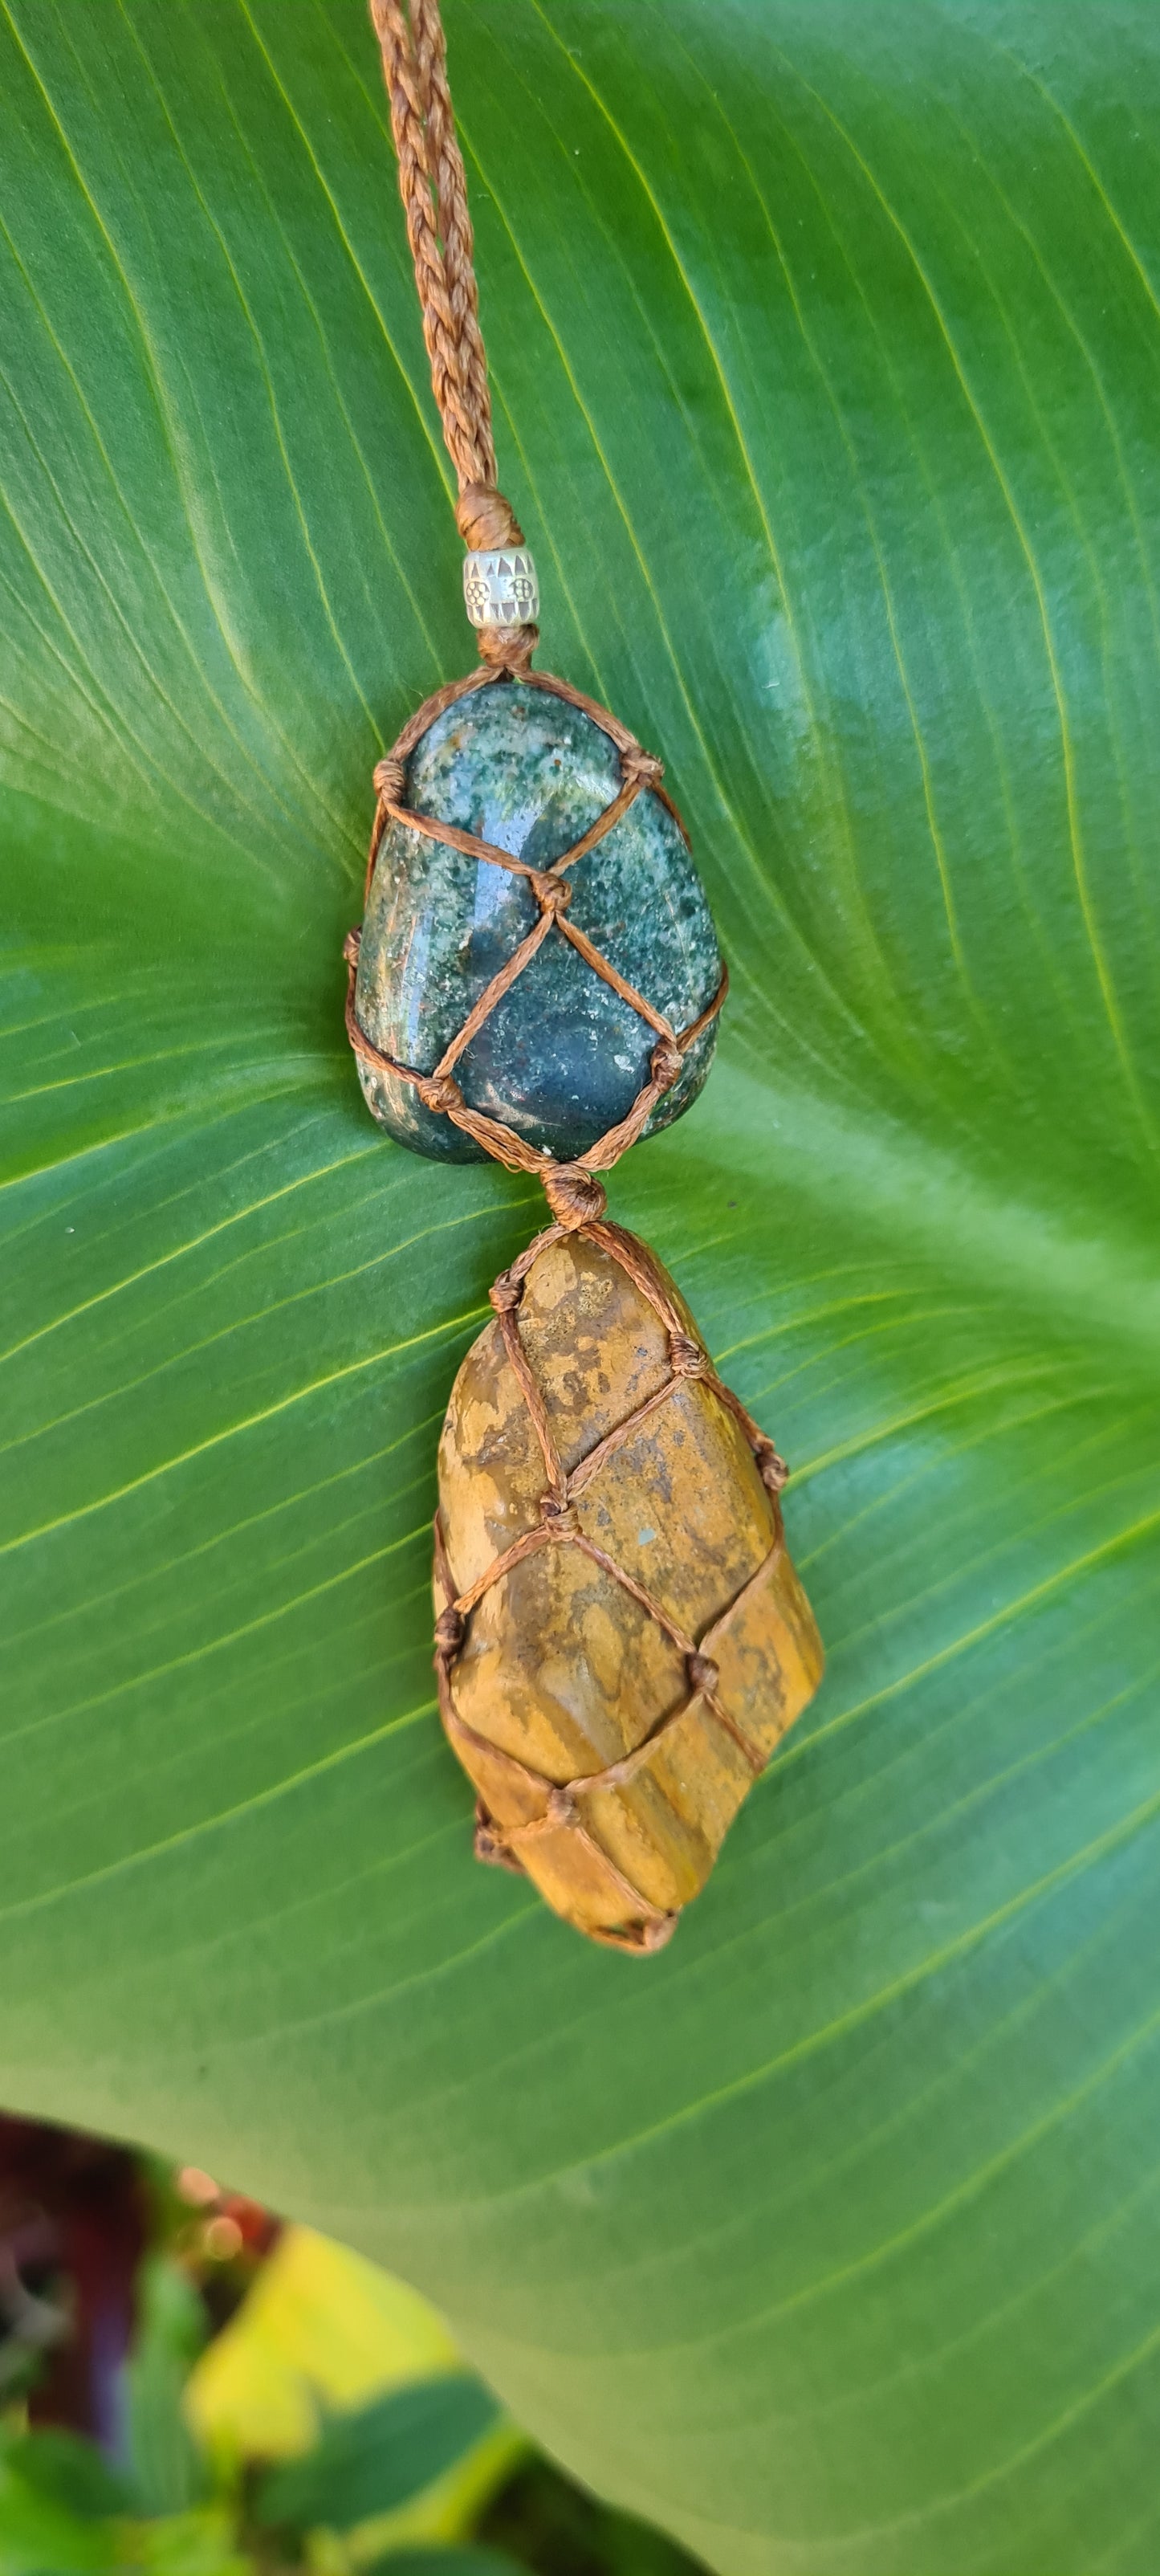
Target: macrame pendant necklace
620 1638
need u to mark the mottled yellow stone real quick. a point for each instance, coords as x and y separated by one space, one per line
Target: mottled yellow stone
560 1666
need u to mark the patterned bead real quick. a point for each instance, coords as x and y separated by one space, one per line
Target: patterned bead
501 589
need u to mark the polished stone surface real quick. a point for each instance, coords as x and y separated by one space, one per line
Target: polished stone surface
562 1057
560 1665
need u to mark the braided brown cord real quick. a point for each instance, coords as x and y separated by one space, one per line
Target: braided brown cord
558 1526
433 187
573 1192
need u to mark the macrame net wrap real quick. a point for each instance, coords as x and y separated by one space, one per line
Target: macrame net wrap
577 1201
571 1187
434 193
561 1803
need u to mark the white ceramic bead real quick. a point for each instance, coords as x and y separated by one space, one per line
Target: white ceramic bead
501 589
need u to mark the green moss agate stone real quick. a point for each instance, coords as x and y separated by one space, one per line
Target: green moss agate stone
561 1058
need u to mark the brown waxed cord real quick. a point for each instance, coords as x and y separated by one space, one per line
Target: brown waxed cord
433 187
577 1201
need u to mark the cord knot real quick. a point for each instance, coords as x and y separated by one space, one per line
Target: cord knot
686 1357
558 1512
507 648
641 768
561 1808
703 1673
505 1293
574 1195
486 520
666 1063
389 779
771 1466
489 1845
450 1628
441 1092
351 946
553 894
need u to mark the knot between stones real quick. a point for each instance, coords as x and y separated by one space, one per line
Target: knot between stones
574 1195
561 1808
686 1358
440 1091
389 780
486 520
666 1062
558 1513
553 894
641 768
703 1673
505 1293
450 1629
771 1466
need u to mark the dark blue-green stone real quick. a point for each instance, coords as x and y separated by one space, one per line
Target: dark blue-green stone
562 1057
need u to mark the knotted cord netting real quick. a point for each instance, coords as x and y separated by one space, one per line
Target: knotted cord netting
434 192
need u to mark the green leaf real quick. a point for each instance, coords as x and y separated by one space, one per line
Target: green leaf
826 349
43 2532
434 2561
201 2542
371 2460
63 2469
168 2470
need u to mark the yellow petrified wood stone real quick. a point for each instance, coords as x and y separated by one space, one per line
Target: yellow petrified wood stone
560 1666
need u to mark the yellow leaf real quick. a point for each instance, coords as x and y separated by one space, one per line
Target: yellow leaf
320 2331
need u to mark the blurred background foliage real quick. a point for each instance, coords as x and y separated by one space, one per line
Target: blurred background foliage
189 2386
